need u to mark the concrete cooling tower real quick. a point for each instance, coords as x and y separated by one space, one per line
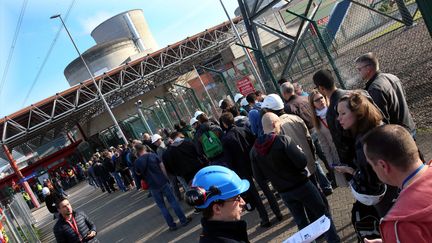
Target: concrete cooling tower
119 39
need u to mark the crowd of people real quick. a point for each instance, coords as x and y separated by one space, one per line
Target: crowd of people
279 144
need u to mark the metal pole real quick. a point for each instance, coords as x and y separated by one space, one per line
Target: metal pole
194 95
94 81
158 117
172 105
248 56
155 113
175 110
165 114
205 88
20 176
223 79
141 115
327 52
266 66
11 227
425 7
184 103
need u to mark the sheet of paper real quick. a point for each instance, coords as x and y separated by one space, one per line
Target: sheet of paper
310 232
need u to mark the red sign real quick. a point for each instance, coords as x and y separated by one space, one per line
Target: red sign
245 86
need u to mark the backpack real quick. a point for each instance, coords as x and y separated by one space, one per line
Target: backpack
366 221
211 144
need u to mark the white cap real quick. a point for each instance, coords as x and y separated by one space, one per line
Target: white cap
192 121
272 102
220 103
45 191
155 137
237 97
197 113
365 199
244 102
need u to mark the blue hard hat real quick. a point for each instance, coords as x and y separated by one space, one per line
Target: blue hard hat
221 182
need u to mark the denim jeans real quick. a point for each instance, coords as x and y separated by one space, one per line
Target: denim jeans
308 197
323 182
158 196
118 180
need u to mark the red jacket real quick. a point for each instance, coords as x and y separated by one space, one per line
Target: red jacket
410 219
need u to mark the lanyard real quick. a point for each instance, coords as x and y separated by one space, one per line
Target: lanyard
74 226
323 122
412 175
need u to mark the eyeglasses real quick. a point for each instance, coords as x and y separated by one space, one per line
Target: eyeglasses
360 68
238 198
318 99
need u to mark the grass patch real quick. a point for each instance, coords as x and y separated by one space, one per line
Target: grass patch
393 27
424 130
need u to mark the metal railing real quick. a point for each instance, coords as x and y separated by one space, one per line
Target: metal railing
18 222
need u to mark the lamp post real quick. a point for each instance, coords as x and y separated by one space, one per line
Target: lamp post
161 105
151 110
139 106
94 81
194 95
180 93
248 56
172 105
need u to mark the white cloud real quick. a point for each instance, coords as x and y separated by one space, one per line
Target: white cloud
91 22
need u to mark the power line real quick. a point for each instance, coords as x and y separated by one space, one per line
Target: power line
12 48
47 55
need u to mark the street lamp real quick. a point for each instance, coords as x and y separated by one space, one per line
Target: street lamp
193 94
178 92
160 104
138 104
94 81
164 99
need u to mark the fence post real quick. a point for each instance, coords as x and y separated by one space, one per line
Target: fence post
425 7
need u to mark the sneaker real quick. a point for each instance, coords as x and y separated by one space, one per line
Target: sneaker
327 192
279 217
188 220
172 228
265 224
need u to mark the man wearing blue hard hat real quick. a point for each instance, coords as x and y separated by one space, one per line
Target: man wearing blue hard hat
216 191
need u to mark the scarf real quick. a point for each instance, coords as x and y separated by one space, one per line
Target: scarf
322 113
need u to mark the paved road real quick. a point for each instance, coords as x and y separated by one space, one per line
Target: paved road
132 217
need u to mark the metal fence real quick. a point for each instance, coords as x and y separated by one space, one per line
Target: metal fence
379 27
18 222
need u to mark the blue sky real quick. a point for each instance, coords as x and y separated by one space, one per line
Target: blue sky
169 20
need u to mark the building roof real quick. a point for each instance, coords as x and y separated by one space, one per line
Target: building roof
80 103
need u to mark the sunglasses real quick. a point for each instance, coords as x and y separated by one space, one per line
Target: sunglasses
318 99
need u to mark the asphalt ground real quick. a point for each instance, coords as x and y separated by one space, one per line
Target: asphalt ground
132 217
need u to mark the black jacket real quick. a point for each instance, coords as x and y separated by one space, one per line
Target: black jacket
108 164
344 142
100 171
237 144
64 233
223 231
50 201
388 94
277 158
181 159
